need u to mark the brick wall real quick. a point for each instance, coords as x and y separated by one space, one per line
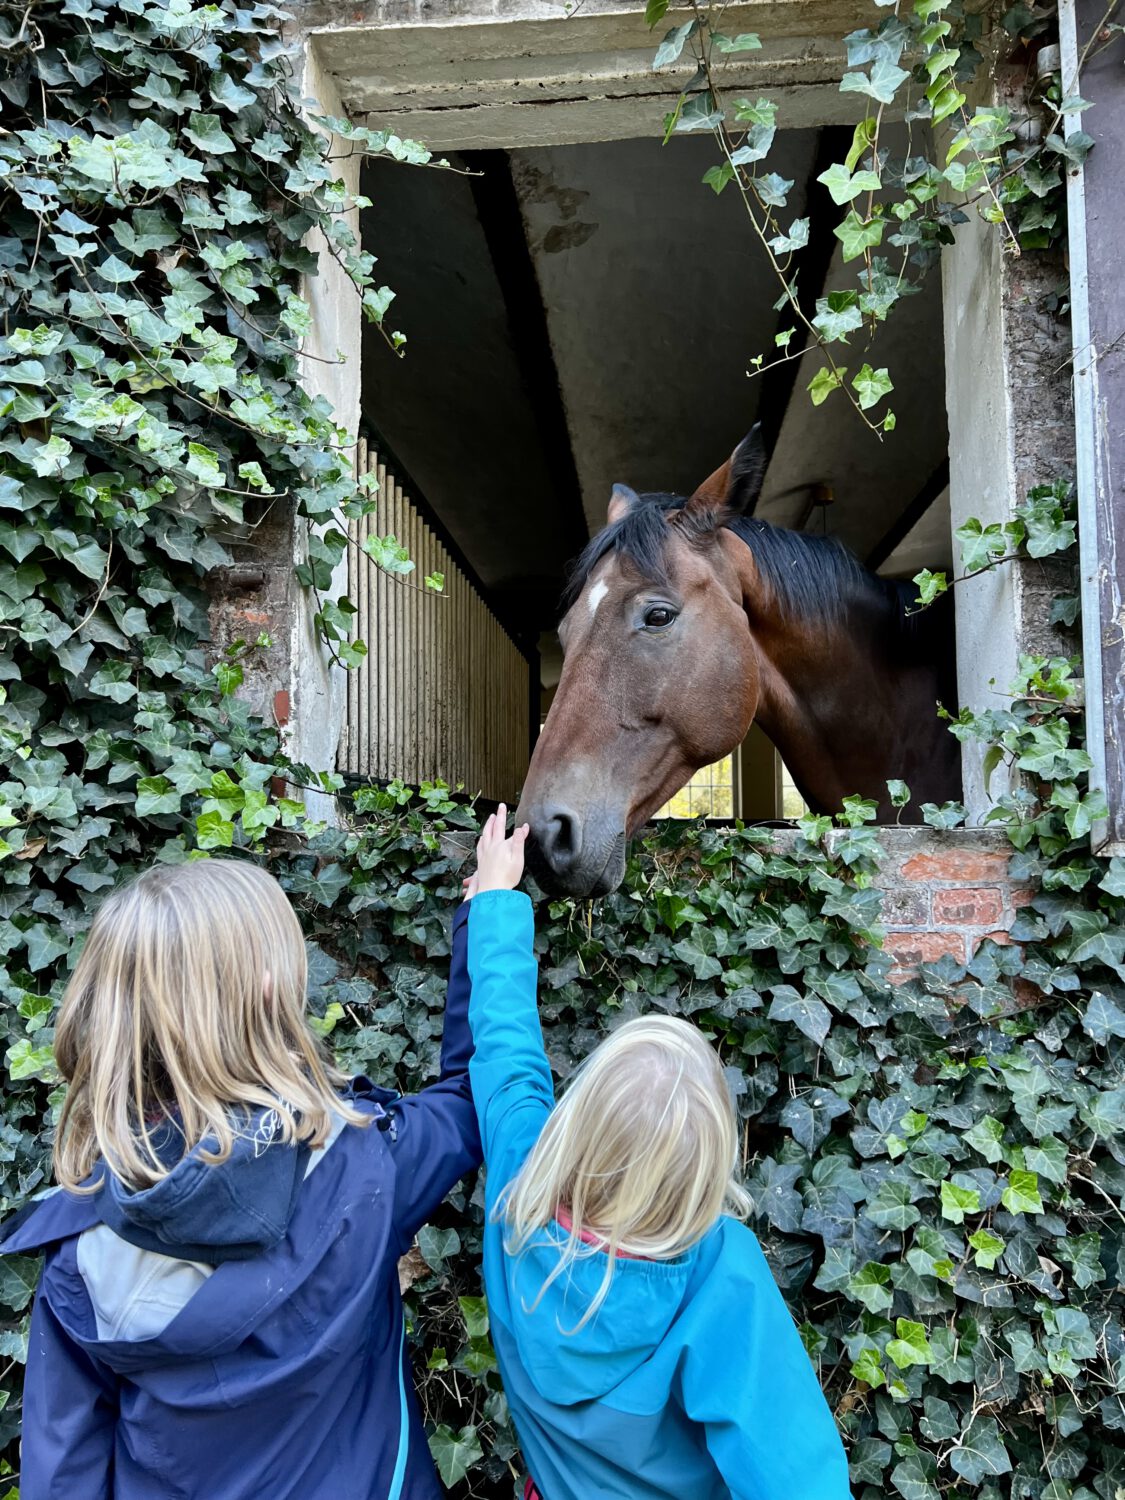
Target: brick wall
944 893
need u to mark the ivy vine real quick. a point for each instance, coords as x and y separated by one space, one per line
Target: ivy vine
920 63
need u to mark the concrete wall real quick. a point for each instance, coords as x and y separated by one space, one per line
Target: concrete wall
332 370
1011 427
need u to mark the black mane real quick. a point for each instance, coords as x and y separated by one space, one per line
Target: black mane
813 577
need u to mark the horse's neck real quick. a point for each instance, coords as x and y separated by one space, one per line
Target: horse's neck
845 713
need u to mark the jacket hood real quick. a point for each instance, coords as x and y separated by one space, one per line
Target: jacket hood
212 1213
586 1363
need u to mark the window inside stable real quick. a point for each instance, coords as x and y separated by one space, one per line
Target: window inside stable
580 315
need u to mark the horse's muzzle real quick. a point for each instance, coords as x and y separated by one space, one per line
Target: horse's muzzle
567 857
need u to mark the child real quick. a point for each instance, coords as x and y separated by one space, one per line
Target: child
644 1346
219 1315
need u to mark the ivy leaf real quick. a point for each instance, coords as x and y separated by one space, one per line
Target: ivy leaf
956 1202
437 1245
988 1247
796 239
948 815
837 315
775 1196
857 235
206 132
844 185
1021 1196
871 386
867 1367
824 382
213 830
773 189
51 457
717 177
231 95
910 1345
891 1207
455 1453
871 1286
809 1117
987 1137
673 44
203 464
882 83
914 1477
930 586
19 1275
155 795
745 41
1102 1017
806 1012
980 1452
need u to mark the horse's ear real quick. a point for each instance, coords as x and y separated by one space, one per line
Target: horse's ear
621 502
734 488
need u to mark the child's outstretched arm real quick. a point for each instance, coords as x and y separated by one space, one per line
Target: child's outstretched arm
510 1074
435 1140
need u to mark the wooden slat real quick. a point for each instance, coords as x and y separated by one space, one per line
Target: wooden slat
443 692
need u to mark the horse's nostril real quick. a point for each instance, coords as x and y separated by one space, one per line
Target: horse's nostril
564 832
561 837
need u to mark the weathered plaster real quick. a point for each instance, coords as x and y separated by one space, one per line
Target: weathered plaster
331 369
1011 427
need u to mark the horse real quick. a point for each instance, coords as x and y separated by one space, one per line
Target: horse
688 619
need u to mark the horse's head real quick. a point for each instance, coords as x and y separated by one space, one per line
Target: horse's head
660 675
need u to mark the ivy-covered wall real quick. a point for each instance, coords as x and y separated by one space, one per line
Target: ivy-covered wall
933 1142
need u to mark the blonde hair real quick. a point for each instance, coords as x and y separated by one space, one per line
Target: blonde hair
641 1152
188 1003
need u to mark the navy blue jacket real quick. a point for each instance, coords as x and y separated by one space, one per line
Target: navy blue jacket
237 1332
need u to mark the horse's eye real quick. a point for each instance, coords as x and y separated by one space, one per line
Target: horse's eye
657 616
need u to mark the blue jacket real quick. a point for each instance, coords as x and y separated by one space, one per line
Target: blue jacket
236 1332
691 1379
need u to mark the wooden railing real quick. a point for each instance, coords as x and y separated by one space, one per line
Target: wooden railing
443 691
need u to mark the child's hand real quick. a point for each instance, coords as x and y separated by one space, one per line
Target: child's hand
499 859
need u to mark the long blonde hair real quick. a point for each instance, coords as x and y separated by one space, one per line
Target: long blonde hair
641 1152
188 1002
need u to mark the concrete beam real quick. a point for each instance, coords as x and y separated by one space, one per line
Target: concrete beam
478 75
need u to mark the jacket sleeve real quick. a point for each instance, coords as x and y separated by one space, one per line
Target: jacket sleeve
511 1076
69 1416
747 1378
433 1134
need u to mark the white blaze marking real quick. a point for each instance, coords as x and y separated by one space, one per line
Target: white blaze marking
597 594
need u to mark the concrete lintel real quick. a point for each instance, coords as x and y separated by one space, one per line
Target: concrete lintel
572 122
539 76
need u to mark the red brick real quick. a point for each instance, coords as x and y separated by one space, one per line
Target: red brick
956 864
1021 896
968 906
913 948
